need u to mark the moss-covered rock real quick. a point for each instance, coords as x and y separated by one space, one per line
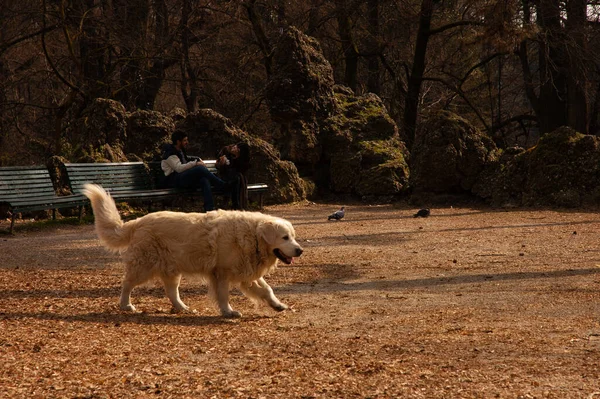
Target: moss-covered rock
362 149
103 153
448 155
388 178
58 174
345 168
375 152
365 117
104 121
562 170
503 179
147 132
299 94
323 124
99 134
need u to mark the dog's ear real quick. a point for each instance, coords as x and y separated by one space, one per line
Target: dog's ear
268 231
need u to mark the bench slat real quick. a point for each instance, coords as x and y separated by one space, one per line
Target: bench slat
30 188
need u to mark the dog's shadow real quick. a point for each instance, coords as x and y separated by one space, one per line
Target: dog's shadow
118 319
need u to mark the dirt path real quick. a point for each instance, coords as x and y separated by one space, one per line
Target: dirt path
469 302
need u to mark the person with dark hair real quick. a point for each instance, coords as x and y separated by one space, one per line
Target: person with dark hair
232 164
185 173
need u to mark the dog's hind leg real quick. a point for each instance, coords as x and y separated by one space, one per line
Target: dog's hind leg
260 290
171 284
219 290
125 301
134 276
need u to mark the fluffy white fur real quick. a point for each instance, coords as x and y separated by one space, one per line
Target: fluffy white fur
223 247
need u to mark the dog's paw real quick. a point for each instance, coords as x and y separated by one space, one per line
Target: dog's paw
234 314
280 307
128 308
182 310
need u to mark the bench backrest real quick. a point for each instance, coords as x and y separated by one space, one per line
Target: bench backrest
25 182
115 177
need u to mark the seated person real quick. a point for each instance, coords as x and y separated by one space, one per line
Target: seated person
232 164
183 173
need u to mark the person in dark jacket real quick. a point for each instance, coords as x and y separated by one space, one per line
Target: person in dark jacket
185 173
232 164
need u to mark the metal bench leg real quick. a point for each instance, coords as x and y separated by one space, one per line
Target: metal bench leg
12 223
80 210
260 200
53 213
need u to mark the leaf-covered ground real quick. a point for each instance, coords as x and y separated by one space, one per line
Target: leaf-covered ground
468 303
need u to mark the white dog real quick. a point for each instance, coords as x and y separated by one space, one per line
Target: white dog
223 247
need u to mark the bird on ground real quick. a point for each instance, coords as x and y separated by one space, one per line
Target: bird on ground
337 215
423 213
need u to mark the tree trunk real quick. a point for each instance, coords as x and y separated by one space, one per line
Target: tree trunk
553 89
595 112
261 36
189 79
133 22
92 51
577 83
313 17
415 79
373 62
154 75
348 45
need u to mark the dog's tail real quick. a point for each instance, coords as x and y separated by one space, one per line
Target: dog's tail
111 230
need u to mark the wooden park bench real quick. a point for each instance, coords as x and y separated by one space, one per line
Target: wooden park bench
30 188
133 180
123 180
253 189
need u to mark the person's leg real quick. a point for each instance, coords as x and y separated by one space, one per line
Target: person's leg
235 192
191 178
200 177
204 185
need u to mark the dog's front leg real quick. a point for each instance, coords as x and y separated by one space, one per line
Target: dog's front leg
259 289
171 284
271 298
220 290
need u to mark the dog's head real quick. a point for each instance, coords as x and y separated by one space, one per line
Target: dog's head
280 236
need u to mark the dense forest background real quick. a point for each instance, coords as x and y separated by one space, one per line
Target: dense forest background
515 69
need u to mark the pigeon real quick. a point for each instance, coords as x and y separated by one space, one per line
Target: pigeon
422 213
337 215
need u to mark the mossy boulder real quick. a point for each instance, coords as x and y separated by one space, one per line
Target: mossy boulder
365 117
345 168
562 170
301 86
448 155
299 94
384 168
98 135
502 180
147 132
104 121
323 124
363 154
382 180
